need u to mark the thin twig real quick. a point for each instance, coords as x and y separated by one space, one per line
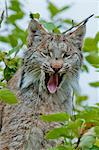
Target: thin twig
1 18
6 9
77 144
82 22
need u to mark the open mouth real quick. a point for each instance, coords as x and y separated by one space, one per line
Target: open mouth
53 81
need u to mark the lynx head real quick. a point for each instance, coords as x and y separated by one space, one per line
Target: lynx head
52 61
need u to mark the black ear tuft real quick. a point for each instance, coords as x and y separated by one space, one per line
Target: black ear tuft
78 34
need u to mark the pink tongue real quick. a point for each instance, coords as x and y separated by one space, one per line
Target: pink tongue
52 83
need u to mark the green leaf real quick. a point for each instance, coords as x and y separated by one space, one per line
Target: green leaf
80 99
97 16
97 37
4 39
48 25
69 21
94 84
74 127
93 59
85 68
7 96
15 5
67 147
2 55
94 148
14 17
90 45
20 34
97 131
53 148
2 84
56 30
54 10
13 41
64 8
16 35
90 114
14 50
57 133
12 63
8 73
1 69
11 67
59 117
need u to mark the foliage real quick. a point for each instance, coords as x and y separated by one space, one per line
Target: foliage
55 117
7 96
54 10
94 84
15 38
91 47
11 64
81 131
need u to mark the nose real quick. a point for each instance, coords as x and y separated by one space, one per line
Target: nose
56 65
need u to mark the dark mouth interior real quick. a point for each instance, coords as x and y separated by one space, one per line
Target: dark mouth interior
47 77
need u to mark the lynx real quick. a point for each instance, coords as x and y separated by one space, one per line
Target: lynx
44 84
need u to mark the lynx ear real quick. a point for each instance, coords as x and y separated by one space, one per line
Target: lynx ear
77 36
35 29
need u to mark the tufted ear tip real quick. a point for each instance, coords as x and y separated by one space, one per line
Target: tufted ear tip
34 29
34 25
77 36
79 32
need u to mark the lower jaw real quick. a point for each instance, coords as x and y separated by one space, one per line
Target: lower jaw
52 92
